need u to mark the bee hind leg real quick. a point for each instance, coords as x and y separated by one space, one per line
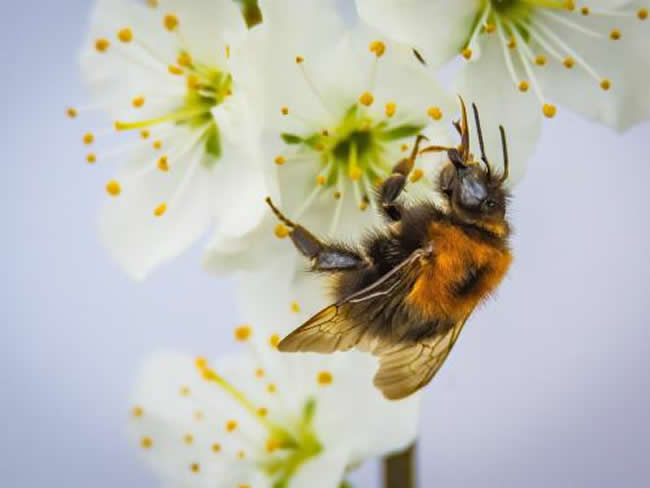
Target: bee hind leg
324 256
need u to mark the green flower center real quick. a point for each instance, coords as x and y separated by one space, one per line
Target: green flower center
356 147
207 87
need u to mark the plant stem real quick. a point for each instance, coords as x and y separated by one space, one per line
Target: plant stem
399 469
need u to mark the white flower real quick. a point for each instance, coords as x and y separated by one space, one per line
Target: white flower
193 161
264 419
341 107
522 54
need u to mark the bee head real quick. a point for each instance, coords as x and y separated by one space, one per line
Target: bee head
473 191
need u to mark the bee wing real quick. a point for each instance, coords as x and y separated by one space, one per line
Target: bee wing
405 368
338 327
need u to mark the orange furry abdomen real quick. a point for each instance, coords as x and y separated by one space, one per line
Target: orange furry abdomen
454 253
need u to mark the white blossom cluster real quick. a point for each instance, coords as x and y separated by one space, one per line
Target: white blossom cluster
313 110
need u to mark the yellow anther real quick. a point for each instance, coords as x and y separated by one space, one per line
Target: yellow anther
285 110
467 53
390 109
569 62
175 70
157 144
243 486
584 10
152 3
272 445
319 147
366 99
227 51
605 84
185 391
363 205
274 340
523 86
170 22
615 35
324 378
243 333
321 180
138 101
91 158
435 113
113 188
201 363
337 195
102 45
163 164
160 210
377 47
195 468
216 447
295 307
231 425
355 173
262 411
137 411
404 147
88 138
416 175
540 60
280 160
490 27
549 110
125 35
184 59
259 373
300 59
271 388
144 133
71 112
281 231
642 14
198 415
241 454
188 439
325 133
193 82
570 5
146 443
512 43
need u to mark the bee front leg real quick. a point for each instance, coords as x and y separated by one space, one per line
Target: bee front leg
392 186
323 256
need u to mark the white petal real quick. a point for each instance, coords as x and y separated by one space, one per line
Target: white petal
206 26
324 471
437 28
353 413
624 62
487 83
175 403
137 239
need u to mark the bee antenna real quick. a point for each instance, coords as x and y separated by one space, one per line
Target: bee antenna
279 214
506 162
480 141
464 139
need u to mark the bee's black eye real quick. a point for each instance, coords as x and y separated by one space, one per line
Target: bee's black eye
490 204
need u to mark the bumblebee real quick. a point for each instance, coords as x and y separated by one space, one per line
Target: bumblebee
405 291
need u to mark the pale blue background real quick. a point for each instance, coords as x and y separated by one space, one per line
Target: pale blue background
549 385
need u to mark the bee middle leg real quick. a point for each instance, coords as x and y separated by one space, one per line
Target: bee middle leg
323 256
392 186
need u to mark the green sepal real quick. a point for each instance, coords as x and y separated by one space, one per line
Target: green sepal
400 132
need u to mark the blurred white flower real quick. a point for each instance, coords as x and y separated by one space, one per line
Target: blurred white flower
522 54
341 106
162 70
264 419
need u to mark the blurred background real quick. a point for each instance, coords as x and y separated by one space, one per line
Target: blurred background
549 384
